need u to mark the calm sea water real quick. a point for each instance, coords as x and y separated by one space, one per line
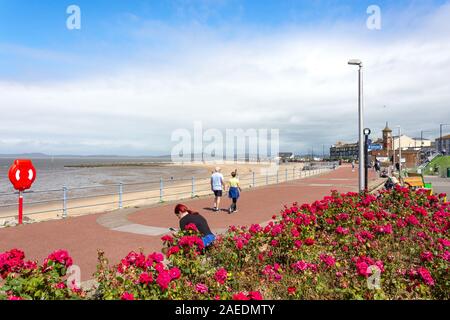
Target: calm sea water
54 173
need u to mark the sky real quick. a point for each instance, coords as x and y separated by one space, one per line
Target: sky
136 71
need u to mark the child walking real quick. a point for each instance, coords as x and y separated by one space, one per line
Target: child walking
234 191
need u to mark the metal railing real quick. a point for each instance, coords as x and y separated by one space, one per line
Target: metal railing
158 191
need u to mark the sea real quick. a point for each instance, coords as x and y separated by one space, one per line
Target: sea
54 173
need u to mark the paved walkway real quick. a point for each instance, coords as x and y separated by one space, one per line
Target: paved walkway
119 232
440 185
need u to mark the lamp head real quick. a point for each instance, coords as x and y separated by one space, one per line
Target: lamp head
355 62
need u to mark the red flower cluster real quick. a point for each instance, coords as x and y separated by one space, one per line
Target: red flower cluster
127 296
151 269
163 279
253 295
173 250
174 273
363 263
328 260
191 226
59 256
201 288
167 239
13 261
241 241
255 228
134 259
191 241
303 266
145 278
272 272
341 230
426 276
221 275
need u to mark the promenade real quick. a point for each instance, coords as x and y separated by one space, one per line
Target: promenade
119 232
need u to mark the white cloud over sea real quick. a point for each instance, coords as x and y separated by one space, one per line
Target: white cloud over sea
294 79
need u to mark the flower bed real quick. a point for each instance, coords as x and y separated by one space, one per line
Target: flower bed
26 280
393 245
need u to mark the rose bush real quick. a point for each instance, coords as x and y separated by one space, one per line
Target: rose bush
334 248
26 280
329 249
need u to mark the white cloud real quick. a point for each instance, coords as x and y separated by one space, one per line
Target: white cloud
295 80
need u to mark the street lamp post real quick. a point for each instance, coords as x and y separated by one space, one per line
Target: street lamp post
355 62
399 152
421 137
393 154
366 132
421 144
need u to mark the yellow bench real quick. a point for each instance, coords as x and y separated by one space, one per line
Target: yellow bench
414 182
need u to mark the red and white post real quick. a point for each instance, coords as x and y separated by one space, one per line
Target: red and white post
20 207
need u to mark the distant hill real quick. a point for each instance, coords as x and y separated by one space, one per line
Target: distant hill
25 155
43 155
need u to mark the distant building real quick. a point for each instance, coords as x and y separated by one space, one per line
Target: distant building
410 148
445 147
408 142
344 151
390 153
285 156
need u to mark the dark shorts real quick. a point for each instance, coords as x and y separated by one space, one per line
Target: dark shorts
218 193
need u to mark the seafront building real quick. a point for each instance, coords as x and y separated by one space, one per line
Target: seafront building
343 150
388 151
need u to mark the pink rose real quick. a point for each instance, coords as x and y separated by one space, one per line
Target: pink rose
163 279
201 288
175 273
221 275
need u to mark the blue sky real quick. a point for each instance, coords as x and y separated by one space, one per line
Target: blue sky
108 27
41 23
186 55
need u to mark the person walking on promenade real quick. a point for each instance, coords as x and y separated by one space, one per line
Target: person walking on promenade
234 191
217 186
353 165
377 166
187 216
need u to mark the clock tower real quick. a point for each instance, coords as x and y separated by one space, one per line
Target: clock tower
387 138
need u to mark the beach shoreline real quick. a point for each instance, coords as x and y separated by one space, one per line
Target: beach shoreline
251 175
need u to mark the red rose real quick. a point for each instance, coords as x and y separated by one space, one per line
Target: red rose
221 275
127 296
191 226
163 279
145 278
175 273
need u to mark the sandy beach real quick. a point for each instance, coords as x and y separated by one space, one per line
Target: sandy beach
137 195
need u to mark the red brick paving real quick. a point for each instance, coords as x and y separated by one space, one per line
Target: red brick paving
82 236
